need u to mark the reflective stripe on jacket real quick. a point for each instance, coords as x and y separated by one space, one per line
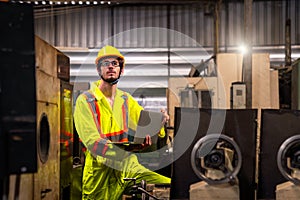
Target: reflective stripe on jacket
115 124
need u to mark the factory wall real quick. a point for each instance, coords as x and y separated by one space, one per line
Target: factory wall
89 26
162 41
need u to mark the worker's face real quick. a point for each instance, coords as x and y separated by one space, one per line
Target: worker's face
109 69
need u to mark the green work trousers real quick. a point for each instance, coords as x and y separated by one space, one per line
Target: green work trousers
103 182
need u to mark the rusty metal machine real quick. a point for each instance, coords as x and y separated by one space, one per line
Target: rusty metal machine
36 111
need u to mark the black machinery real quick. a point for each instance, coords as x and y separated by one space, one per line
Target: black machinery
288 163
216 159
288 159
207 150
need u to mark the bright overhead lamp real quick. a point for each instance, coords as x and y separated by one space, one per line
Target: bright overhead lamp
243 49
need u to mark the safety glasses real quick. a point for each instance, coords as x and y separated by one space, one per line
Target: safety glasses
106 63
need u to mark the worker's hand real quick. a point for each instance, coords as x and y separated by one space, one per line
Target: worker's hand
137 148
147 142
166 116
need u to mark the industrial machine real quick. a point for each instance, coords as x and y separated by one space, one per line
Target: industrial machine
216 104
288 162
35 111
238 95
212 157
295 85
279 154
216 159
288 159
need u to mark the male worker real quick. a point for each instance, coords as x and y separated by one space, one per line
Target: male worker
105 114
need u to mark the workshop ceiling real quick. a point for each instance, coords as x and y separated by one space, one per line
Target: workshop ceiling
45 3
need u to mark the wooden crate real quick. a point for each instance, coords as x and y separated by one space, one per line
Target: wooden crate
265 92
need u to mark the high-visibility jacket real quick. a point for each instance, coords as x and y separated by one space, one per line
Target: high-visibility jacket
115 124
96 128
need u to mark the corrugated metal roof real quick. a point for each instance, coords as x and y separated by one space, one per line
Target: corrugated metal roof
151 33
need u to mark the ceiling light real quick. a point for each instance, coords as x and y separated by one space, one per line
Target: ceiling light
243 49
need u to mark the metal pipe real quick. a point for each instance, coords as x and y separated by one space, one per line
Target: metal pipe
216 25
247 60
288 53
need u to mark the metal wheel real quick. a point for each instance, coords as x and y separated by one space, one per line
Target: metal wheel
209 153
288 158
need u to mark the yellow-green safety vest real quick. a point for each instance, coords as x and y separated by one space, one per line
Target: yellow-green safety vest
96 122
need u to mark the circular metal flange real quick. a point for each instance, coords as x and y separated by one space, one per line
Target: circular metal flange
205 150
290 148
